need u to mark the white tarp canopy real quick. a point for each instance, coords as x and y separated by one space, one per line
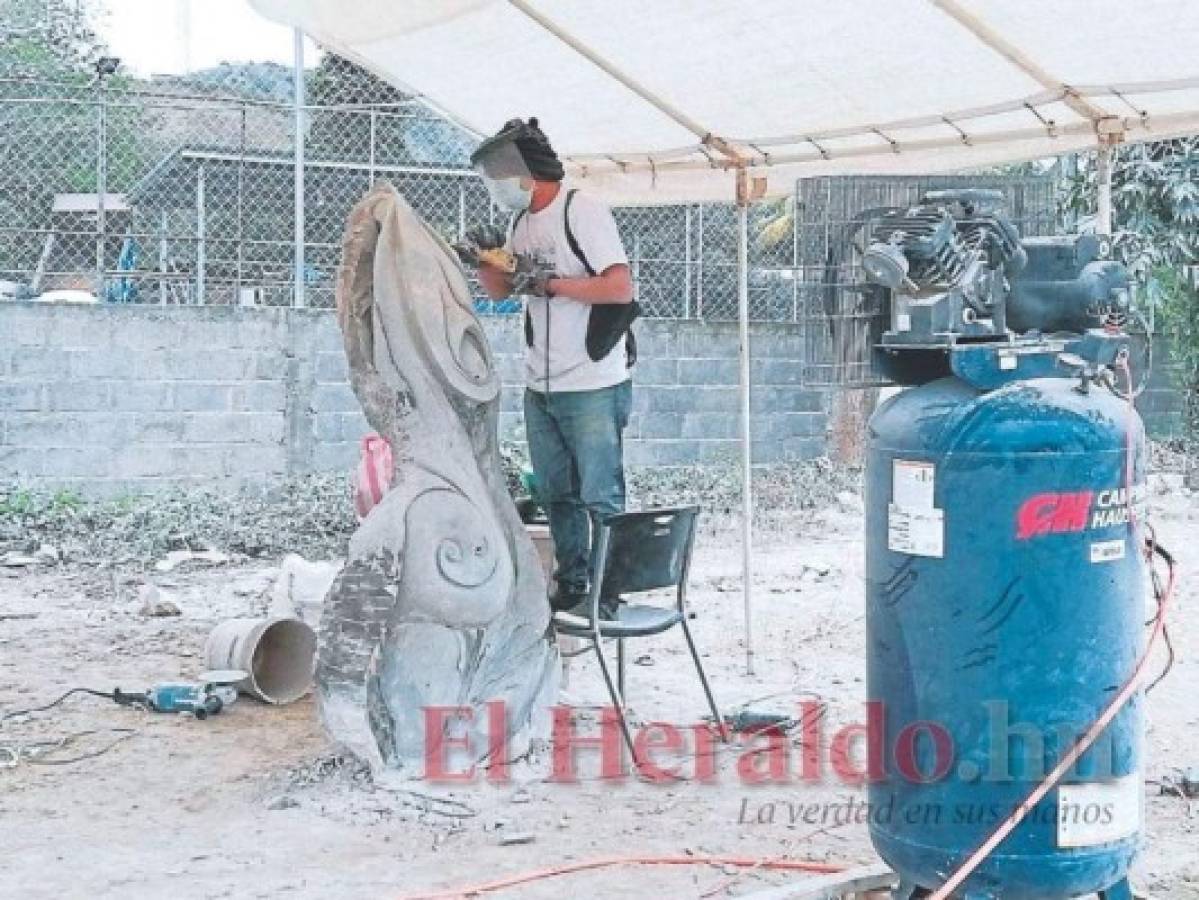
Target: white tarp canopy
652 101
661 101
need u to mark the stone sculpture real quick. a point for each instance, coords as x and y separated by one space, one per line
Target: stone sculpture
442 599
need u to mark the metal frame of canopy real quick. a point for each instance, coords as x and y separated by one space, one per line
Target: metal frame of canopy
747 158
954 138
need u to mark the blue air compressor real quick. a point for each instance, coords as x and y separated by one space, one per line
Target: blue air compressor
1006 588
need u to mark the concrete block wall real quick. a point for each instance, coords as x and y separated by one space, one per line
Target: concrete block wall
114 399
109 397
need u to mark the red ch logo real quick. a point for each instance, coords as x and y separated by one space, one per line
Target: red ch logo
1053 513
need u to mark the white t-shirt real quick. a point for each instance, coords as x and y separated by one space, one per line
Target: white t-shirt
543 234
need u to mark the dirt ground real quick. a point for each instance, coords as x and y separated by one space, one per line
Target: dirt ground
255 803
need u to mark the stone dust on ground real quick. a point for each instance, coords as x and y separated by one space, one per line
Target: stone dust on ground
255 802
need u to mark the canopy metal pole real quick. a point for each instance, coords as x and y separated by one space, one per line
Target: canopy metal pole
1158 128
747 496
1103 175
659 103
1018 58
298 298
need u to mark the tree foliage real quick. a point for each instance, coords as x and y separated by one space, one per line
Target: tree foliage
1155 204
350 97
48 39
49 141
341 129
1155 220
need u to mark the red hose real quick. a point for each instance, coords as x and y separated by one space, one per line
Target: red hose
605 861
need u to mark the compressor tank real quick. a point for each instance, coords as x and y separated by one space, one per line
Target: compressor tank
1006 601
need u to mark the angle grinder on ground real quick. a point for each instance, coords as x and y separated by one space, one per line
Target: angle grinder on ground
212 693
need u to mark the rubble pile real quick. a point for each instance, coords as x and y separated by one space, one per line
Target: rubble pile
312 515
779 488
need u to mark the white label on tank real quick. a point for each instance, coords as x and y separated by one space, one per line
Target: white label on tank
1098 812
917 532
1107 551
1007 361
903 322
913 483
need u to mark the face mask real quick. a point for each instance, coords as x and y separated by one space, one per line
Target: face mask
508 194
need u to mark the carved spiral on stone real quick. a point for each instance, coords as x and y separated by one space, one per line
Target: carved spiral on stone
466 566
457 567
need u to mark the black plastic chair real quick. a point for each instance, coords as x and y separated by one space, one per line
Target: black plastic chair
635 552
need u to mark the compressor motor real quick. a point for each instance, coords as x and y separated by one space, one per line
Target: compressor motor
953 272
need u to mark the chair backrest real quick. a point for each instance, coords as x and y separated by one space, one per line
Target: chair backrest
649 549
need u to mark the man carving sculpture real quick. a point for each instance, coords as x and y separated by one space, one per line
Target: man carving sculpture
567 259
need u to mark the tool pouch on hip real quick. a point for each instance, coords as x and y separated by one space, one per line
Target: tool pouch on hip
607 324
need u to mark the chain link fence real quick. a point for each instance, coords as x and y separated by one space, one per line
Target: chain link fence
181 190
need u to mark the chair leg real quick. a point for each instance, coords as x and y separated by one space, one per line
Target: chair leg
617 700
703 679
568 647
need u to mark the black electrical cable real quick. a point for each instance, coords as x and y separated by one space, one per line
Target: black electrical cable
107 695
1159 591
122 734
1152 547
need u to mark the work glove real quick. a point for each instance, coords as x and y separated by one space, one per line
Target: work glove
479 246
532 276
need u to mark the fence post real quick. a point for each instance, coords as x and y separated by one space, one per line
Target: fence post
687 263
101 180
461 208
699 265
795 273
201 233
163 251
298 298
241 227
636 263
370 172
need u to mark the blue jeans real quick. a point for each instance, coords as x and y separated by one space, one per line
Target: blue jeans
576 445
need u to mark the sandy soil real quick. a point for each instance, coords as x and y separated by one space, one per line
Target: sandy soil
253 803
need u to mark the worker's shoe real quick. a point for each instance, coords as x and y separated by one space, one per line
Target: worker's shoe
567 596
579 615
